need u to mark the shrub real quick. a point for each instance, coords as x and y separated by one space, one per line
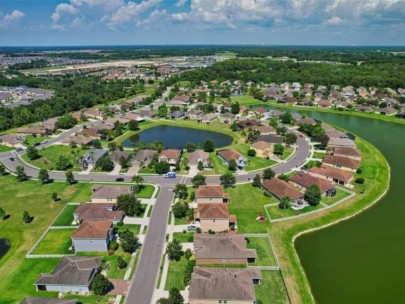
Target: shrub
359 171
121 262
359 180
251 152
113 245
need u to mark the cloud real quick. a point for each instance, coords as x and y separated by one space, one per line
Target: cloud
334 20
62 10
181 3
155 15
11 20
16 14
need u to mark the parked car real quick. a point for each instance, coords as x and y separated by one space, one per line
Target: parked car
170 175
191 228
119 179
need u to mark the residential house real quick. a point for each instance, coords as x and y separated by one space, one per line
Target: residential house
207 118
265 130
93 236
247 123
214 217
171 156
177 114
263 149
227 118
73 274
324 103
5 96
117 155
94 113
133 116
276 113
307 121
78 140
331 174
97 211
199 156
12 140
231 154
259 111
211 194
92 156
280 188
50 124
347 152
144 157
34 300
37 131
91 133
193 114
223 285
304 180
108 194
387 111
222 249
272 138
365 108
335 142
341 162
148 114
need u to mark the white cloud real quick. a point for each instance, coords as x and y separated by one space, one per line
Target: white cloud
11 20
155 15
62 10
181 3
335 20
16 14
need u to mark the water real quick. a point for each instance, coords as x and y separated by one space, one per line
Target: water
4 247
362 260
177 137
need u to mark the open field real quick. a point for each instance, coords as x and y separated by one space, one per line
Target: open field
56 241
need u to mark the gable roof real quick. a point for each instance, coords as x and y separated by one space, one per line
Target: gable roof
265 129
209 191
222 246
212 211
98 211
261 145
117 154
198 155
229 154
306 180
335 173
281 188
89 229
71 270
223 283
342 161
143 155
110 192
348 151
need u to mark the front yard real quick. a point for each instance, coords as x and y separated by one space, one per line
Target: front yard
184 237
176 274
56 241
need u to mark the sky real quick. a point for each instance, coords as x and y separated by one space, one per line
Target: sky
172 22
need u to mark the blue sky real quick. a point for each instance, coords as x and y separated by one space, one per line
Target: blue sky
137 22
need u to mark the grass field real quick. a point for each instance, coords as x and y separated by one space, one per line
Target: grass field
255 162
4 148
66 217
184 238
287 152
56 241
246 202
176 273
319 155
271 290
340 194
32 140
265 255
135 228
275 212
146 191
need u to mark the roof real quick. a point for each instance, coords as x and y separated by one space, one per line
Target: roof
222 246
32 130
336 173
271 138
229 154
79 140
348 151
33 300
261 145
223 283
117 154
71 270
12 139
107 191
307 121
341 142
98 211
212 211
89 229
209 191
306 180
143 155
388 110
342 161
325 102
170 153
94 154
265 129
281 188
198 155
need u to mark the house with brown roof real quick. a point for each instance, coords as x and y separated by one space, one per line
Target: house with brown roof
94 113
108 194
247 123
90 132
231 154
303 180
211 194
32 131
324 103
93 236
263 149
347 152
171 156
335 142
214 217
341 162
265 130
387 111
199 156
280 188
50 124
223 285
12 140
144 157
331 174
78 140
117 155
222 249
73 274
97 211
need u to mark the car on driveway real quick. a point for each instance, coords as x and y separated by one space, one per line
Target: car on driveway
191 228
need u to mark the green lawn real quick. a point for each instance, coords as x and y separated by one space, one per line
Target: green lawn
265 255
176 273
246 202
146 191
275 212
56 241
340 194
134 228
4 148
181 221
32 140
66 217
184 238
319 155
287 152
255 163
271 290
49 155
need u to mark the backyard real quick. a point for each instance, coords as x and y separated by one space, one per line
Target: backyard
56 241
271 289
265 255
66 217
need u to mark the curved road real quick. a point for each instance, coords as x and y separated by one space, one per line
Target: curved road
142 287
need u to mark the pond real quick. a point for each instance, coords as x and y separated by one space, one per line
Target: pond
4 247
177 137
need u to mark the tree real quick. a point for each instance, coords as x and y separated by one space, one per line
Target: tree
198 180
284 202
27 218
66 122
128 241
97 144
313 195
112 146
3 214
129 204
180 210
235 108
180 191
278 149
175 296
200 166
286 118
227 180
190 147
257 181
62 163
105 163
163 111
174 250
133 125
124 162
290 138
251 152
121 262
43 176
138 180
162 167
209 145
70 177
2 170
232 165
100 285
20 174
281 130
32 153
268 173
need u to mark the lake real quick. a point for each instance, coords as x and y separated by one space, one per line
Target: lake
4 247
177 137
362 260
